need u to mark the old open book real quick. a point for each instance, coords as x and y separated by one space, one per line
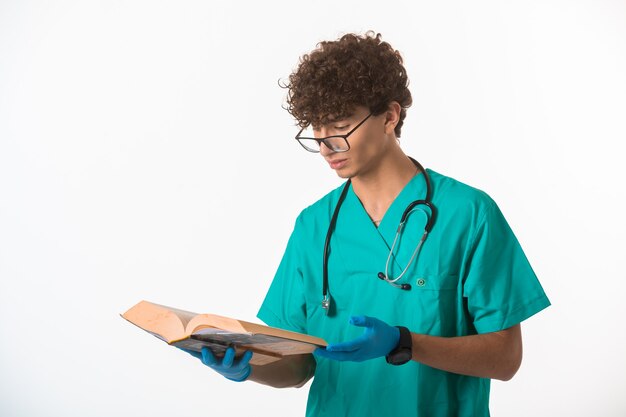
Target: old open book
192 331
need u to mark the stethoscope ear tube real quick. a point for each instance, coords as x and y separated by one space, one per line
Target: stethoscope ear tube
431 218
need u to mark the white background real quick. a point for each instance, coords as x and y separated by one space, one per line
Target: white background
144 154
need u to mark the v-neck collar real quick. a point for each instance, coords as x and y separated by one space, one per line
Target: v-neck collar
415 189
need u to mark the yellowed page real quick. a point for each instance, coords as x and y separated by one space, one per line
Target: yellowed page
164 322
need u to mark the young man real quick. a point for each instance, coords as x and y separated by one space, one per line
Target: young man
447 270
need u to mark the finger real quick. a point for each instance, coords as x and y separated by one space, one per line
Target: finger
322 353
362 321
336 356
229 358
207 357
245 359
349 346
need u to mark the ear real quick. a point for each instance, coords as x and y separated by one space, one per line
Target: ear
392 117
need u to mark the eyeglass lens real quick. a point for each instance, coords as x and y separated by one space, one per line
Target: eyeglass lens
334 143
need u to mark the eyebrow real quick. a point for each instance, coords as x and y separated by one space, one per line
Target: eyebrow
342 119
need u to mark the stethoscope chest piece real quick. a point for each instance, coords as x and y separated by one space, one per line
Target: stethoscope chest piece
327 306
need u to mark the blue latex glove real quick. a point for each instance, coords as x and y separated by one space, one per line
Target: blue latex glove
229 368
378 339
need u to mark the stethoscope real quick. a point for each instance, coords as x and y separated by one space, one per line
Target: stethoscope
326 303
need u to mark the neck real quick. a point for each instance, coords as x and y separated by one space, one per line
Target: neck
379 186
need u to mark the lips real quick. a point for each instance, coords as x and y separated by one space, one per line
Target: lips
337 163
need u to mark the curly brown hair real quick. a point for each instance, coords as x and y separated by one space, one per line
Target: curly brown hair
339 75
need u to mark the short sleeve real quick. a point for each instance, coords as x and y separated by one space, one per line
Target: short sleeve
284 305
500 286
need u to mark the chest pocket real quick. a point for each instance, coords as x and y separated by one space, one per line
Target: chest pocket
436 304
431 282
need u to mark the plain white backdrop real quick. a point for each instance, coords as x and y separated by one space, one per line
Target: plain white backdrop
144 154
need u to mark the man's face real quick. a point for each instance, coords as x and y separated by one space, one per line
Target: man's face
368 143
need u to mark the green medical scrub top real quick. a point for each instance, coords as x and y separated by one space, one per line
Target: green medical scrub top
470 277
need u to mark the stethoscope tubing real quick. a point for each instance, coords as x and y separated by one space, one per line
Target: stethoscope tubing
429 224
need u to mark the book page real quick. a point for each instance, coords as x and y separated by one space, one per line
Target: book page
203 321
219 349
262 343
163 322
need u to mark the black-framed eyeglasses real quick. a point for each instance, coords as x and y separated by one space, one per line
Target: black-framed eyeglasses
336 143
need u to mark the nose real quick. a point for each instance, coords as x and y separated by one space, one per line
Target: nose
325 150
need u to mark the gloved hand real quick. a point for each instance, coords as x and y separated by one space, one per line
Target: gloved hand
378 339
238 370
